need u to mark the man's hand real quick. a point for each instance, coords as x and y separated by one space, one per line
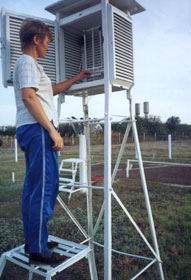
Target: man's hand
57 139
85 74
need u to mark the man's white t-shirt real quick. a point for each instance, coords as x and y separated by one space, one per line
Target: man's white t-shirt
29 74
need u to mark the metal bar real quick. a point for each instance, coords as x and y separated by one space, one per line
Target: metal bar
114 173
28 267
107 148
86 12
91 258
2 263
71 261
143 270
30 275
85 51
98 219
125 254
100 46
121 152
135 225
145 190
92 121
84 186
93 52
166 163
71 216
81 121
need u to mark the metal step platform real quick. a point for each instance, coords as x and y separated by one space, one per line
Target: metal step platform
73 251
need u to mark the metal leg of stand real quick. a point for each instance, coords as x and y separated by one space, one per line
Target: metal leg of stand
30 275
92 267
145 190
91 259
2 263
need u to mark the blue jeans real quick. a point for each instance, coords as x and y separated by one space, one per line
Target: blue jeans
40 186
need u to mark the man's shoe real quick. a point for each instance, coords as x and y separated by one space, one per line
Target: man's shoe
47 257
50 245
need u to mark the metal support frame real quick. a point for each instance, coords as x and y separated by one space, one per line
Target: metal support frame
91 260
107 149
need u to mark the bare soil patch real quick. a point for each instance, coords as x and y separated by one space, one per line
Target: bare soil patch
165 174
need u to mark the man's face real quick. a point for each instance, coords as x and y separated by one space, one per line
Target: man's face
42 47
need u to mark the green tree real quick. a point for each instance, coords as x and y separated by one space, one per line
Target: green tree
10 130
172 124
66 130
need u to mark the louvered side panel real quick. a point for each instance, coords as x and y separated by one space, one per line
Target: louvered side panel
73 54
48 63
123 48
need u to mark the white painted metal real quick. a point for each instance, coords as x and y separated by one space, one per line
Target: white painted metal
68 7
163 163
121 47
169 146
111 21
125 254
72 250
145 190
75 221
13 177
143 270
121 151
135 225
107 149
11 48
91 259
16 151
83 157
67 184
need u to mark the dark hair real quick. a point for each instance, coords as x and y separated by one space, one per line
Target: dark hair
31 28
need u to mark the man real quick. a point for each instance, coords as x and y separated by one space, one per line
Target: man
37 135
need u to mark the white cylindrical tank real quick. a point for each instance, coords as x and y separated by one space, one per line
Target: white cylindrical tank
146 109
137 109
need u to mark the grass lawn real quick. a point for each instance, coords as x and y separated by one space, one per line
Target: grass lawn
171 211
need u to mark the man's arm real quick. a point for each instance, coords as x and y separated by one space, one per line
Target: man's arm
61 87
34 106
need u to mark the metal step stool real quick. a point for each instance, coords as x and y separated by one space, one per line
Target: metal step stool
73 251
66 184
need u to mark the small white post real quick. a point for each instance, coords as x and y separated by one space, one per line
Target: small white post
127 169
16 153
119 138
72 139
13 177
169 146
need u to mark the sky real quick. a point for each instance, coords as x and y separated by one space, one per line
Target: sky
162 63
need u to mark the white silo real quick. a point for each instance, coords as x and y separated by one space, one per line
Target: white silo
146 109
137 109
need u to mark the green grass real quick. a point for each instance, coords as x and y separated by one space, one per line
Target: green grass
171 209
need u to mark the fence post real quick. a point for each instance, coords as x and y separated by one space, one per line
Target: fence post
169 146
16 153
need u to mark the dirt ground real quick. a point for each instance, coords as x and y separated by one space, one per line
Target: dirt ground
165 174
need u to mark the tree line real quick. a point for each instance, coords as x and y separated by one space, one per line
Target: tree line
151 127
